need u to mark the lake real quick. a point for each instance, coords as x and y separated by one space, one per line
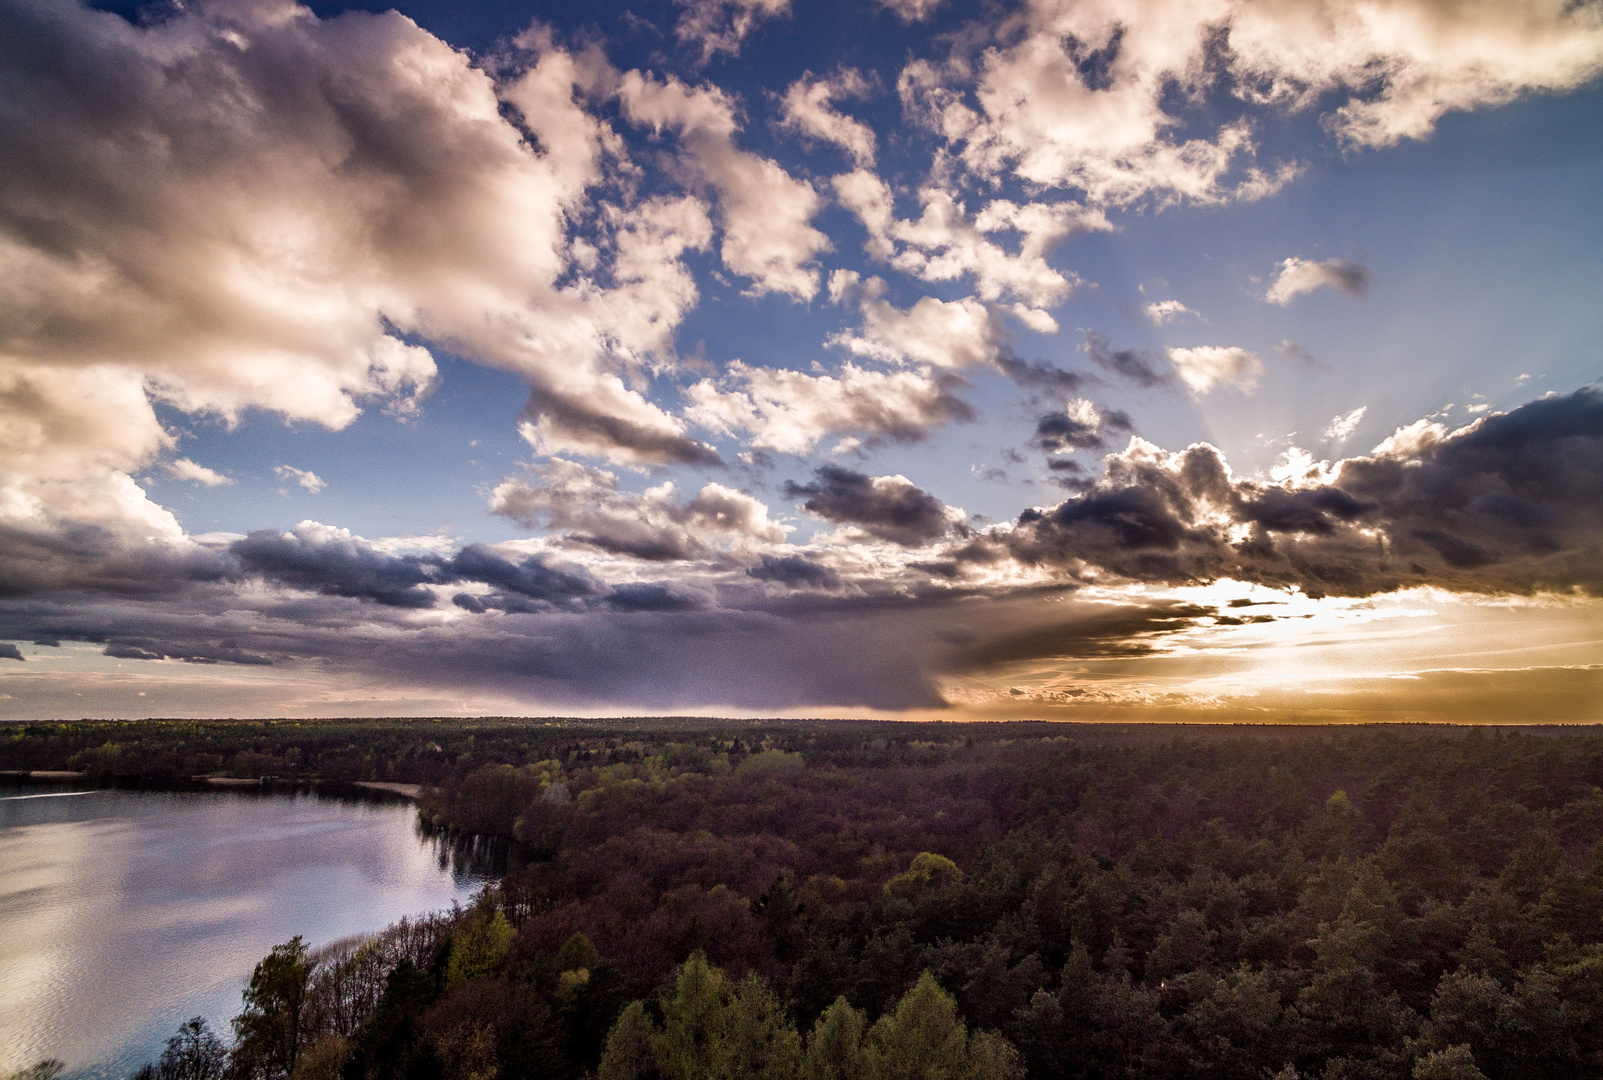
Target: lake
124 913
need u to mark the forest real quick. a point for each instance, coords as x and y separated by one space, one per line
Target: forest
688 899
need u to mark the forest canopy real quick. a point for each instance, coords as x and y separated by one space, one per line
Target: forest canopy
698 899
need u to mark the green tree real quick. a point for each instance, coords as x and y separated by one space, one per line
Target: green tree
1471 1010
927 871
715 1030
1350 1010
577 954
991 1057
835 1047
479 948
631 1050
921 1040
268 1032
1238 1026
691 1020
575 960
755 1041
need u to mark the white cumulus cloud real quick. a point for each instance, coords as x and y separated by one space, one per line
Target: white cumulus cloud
1160 312
306 478
1206 367
946 243
184 469
1342 427
807 108
719 26
1076 93
912 10
938 333
790 411
765 212
1297 277
588 506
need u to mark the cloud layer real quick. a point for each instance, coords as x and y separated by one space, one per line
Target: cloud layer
1509 503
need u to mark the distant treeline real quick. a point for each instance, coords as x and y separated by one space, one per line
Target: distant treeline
867 901
427 751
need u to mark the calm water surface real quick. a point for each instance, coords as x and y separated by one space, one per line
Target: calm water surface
124 913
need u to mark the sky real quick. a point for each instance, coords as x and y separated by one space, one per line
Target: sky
1203 361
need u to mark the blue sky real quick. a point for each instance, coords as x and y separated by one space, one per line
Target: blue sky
1486 237
347 357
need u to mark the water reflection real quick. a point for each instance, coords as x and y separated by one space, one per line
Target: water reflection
479 857
124 913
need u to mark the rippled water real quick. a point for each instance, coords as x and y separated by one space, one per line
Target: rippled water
124 913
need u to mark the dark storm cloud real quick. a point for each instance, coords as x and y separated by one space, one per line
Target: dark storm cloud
89 557
1041 375
652 645
130 652
207 623
1514 503
656 596
1119 633
318 560
1131 364
339 566
532 577
797 571
887 507
1061 433
333 564
1242 620
1072 430
579 423
224 652
673 659
9 651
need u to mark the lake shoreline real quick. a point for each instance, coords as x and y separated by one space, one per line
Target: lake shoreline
131 907
366 790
